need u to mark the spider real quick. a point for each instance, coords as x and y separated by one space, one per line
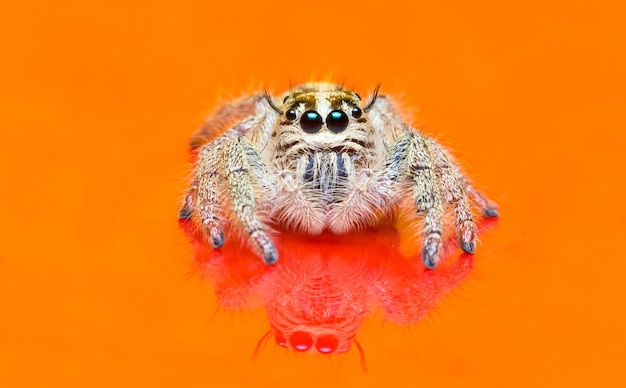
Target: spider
321 160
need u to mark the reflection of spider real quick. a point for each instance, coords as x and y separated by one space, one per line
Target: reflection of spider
321 160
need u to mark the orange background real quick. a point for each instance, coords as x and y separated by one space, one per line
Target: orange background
99 100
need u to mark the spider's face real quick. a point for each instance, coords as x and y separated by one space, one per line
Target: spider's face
323 114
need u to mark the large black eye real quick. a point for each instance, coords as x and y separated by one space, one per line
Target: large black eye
337 121
291 115
311 121
356 112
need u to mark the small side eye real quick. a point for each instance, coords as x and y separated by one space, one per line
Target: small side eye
291 115
356 112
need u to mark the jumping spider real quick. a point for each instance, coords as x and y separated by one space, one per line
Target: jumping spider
320 160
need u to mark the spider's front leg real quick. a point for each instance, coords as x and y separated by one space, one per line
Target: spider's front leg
434 178
408 160
427 197
456 191
204 194
208 156
245 172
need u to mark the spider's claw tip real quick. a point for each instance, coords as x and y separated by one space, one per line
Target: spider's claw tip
217 238
270 256
468 247
430 251
491 211
185 214
429 258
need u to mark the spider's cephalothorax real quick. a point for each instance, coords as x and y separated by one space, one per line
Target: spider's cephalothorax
318 159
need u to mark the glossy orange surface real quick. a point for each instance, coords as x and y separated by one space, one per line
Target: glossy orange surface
99 99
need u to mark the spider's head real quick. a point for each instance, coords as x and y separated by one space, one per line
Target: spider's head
323 113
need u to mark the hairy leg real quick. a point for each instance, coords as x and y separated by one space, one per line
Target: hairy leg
454 195
438 175
395 168
410 146
207 193
225 117
243 166
487 207
207 164
427 197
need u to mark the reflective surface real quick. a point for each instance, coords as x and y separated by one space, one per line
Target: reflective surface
99 100
322 288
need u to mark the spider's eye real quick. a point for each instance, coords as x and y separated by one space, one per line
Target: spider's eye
291 115
337 121
356 112
311 121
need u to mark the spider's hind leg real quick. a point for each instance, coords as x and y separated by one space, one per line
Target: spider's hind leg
488 207
186 211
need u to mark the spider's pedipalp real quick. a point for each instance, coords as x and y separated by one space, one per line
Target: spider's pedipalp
292 207
360 200
395 168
